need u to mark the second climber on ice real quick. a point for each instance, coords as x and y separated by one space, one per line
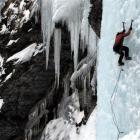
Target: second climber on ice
119 47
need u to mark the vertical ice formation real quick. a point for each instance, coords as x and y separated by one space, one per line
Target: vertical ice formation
57 51
74 14
127 95
84 67
47 24
94 82
85 27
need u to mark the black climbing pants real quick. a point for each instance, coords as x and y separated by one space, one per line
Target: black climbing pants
122 51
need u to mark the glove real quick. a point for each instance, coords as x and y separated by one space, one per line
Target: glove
123 30
130 28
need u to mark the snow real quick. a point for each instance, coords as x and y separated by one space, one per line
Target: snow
125 101
60 129
26 14
22 4
4 29
13 8
11 5
18 14
12 41
88 132
8 77
1 103
1 66
25 18
135 135
26 54
30 29
1 72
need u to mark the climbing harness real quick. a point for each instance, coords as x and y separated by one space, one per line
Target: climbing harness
111 102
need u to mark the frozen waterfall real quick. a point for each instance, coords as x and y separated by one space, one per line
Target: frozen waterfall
126 99
74 14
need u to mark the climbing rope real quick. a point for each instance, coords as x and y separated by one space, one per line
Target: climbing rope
111 102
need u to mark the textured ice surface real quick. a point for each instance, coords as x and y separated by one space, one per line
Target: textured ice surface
135 135
127 95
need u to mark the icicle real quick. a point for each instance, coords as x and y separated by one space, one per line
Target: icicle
93 82
76 45
66 85
57 51
88 80
93 42
72 37
74 27
85 27
47 25
85 91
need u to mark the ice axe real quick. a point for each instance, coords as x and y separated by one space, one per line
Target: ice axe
123 26
131 23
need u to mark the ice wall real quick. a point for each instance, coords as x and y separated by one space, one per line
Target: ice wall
126 99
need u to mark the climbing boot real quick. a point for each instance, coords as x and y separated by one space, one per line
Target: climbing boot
128 58
121 63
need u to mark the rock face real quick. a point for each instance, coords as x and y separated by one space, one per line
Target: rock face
30 81
96 15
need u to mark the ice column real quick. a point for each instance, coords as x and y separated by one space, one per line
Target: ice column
47 25
57 52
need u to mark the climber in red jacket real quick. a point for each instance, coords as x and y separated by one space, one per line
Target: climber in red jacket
118 46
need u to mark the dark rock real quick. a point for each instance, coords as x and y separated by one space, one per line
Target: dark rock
96 15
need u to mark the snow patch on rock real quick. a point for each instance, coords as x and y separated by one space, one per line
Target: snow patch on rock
12 41
26 54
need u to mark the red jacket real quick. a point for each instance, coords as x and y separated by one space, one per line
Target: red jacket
120 37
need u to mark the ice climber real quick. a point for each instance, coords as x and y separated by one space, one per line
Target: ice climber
118 46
